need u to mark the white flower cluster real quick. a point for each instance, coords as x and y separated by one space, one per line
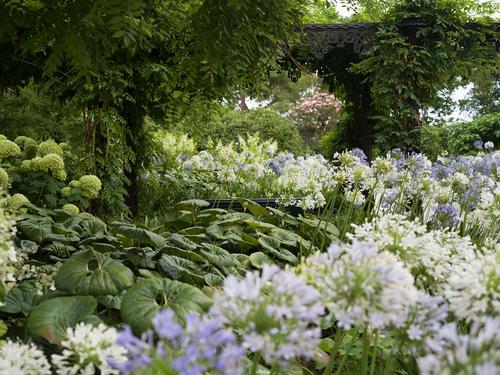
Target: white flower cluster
430 255
88 348
473 288
361 285
452 353
253 169
22 359
275 313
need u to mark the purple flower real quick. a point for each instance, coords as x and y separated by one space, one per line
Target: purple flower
478 144
275 166
360 154
202 345
444 216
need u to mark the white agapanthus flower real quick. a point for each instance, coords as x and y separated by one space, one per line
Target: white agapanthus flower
22 359
361 285
428 254
489 145
88 348
275 313
473 287
452 353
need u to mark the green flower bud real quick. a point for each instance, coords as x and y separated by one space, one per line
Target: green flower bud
4 179
71 208
75 184
66 191
9 149
2 137
90 186
49 147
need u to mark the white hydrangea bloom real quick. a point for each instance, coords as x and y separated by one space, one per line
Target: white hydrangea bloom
88 348
361 285
22 359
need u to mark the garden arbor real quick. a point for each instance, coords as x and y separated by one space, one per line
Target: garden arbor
387 72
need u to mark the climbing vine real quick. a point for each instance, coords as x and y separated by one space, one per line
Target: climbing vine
407 70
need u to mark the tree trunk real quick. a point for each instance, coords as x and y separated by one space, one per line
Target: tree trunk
243 102
134 116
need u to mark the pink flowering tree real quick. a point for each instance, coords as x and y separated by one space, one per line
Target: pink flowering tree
314 115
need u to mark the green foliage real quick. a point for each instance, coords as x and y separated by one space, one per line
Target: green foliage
31 111
434 140
464 134
52 317
407 73
230 124
142 301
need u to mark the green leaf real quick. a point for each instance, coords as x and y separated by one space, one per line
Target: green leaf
178 268
21 299
258 259
254 208
141 235
143 300
191 205
271 246
89 272
36 229
52 317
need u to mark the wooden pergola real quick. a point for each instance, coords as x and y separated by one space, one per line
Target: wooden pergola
344 44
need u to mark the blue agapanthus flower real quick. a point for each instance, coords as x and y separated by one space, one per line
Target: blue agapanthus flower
200 346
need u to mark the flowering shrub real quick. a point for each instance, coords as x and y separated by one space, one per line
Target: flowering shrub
36 173
315 115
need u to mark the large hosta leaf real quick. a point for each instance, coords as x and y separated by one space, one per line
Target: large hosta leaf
21 299
272 246
142 301
178 268
130 232
36 228
52 317
89 272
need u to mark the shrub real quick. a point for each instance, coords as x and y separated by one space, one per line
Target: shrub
314 116
484 128
41 179
226 125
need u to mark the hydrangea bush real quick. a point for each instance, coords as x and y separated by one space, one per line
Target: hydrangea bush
37 173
